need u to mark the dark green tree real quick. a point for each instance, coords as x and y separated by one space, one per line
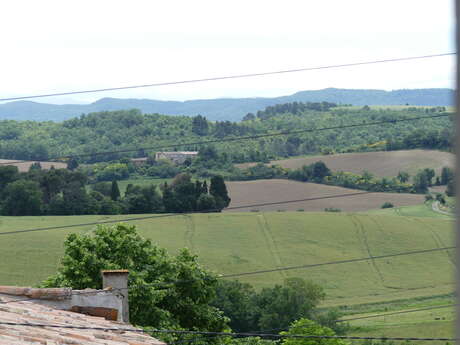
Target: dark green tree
421 182
152 302
282 304
200 125
429 175
72 164
115 191
218 190
22 198
446 175
403 176
8 174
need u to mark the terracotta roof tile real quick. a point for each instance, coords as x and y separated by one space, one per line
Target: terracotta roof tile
29 312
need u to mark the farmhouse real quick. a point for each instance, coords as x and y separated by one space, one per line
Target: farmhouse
87 316
178 157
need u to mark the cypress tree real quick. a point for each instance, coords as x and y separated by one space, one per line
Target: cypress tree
115 192
218 190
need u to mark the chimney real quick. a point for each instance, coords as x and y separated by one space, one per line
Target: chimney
118 279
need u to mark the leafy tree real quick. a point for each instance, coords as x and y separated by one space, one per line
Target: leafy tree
304 326
8 174
22 198
429 175
421 182
236 300
282 304
143 199
219 191
153 302
115 191
105 188
403 176
72 164
206 202
387 205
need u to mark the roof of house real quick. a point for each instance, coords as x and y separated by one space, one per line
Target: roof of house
15 308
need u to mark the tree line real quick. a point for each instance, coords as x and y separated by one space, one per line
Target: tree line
318 172
66 192
128 129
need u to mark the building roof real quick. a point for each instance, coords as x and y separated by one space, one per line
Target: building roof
14 308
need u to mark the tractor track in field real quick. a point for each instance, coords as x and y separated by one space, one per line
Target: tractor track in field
189 232
270 242
361 233
438 241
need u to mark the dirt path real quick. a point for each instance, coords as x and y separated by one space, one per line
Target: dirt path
270 241
435 207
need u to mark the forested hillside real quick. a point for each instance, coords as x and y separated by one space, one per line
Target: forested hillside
232 109
129 129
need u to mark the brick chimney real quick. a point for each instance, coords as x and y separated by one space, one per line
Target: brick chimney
118 280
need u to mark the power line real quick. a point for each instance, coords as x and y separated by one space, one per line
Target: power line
399 312
249 75
423 251
205 142
180 214
225 334
278 269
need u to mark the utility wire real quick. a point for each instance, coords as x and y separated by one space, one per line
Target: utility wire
180 214
237 76
205 142
278 269
399 312
262 335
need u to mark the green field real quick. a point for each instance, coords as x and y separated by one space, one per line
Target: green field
423 210
240 242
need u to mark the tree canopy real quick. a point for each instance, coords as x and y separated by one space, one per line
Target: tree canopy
164 291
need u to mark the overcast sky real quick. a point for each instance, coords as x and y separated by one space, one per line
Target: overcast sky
58 46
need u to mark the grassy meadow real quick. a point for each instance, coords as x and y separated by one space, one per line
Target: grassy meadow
239 242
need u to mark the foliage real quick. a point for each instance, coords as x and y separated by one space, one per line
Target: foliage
22 198
274 307
114 191
153 302
447 174
304 326
387 205
64 192
127 129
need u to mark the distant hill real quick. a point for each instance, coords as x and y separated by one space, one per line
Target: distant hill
232 109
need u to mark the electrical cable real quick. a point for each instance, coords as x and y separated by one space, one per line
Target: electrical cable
180 214
205 142
225 334
352 64
399 312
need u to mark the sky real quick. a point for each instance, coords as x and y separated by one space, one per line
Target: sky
58 46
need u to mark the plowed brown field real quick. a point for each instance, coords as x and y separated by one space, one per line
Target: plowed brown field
275 190
24 166
383 164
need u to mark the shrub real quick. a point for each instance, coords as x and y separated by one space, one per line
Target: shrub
388 205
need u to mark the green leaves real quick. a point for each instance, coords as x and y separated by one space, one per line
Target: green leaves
165 291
